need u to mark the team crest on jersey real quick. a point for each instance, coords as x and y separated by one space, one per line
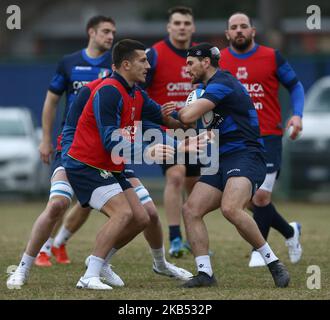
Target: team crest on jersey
104 73
241 73
184 73
128 132
105 174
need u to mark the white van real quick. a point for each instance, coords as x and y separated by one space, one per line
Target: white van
20 167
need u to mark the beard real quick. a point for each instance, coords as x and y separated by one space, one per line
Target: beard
241 45
197 80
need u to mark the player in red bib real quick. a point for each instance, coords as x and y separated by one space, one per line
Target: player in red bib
168 80
97 179
261 70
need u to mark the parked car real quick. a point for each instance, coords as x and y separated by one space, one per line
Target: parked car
308 158
20 167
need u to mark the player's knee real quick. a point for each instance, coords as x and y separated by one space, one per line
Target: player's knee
261 198
126 216
57 207
153 215
229 211
140 219
189 211
175 179
141 224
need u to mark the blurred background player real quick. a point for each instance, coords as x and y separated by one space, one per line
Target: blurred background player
72 73
168 80
261 69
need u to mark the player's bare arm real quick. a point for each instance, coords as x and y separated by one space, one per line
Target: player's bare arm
195 110
48 118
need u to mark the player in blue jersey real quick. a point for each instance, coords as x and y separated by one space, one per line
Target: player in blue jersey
73 71
242 167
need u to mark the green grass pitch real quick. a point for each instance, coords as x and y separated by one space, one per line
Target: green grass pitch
133 263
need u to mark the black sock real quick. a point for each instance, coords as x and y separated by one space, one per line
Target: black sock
263 216
175 232
280 224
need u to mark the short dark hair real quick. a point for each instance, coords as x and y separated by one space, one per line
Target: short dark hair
179 9
96 20
239 12
124 50
204 50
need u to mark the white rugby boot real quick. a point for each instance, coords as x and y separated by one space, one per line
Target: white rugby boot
170 270
256 260
293 244
92 283
17 279
108 275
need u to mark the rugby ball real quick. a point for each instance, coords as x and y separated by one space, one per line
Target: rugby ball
207 118
289 132
194 95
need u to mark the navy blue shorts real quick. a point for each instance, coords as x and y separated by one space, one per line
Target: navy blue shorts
86 179
273 154
129 172
57 161
239 164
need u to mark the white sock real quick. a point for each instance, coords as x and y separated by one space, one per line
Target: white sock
94 267
159 257
203 264
267 253
110 255
62 237
47 246
26 263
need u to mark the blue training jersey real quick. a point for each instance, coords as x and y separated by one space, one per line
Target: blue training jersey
234 114
76 70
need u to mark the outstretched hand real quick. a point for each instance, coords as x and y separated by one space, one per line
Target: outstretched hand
160 152
197 143
168 108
